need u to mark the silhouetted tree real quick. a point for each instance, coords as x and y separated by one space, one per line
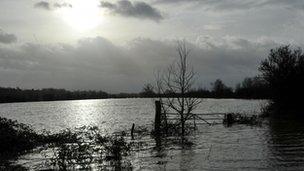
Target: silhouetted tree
283 72
148 91
219 89
254 87
178 81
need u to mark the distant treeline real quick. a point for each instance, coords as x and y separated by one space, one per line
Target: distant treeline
251 88
49 94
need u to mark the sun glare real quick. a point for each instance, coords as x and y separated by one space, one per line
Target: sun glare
83 16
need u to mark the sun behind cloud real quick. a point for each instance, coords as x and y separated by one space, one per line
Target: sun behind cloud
83 15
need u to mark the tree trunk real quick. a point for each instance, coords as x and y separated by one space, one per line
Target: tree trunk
183 125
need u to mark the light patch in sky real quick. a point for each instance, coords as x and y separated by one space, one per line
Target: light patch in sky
83 16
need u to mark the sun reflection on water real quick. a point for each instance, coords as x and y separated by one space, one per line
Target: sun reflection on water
86 113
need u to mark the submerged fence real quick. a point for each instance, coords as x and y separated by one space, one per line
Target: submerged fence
199 118
196 118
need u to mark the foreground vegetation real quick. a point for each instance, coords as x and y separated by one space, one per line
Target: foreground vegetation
283 71
81 148
237 118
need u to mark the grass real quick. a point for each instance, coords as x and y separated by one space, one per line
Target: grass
172 128
81 148
237 118
16 137
92 150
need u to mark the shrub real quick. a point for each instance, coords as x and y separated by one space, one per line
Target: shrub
80 148
16 137
236 118
283 71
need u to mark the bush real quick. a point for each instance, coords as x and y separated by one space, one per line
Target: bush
81 148
91 149
236 118
16 137
283 71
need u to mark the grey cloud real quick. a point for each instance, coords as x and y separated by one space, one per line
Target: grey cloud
97 63
48 6
63 5
7 38
43 5
136 9
93 64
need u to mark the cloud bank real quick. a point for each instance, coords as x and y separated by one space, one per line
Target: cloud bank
97 63
126 8
43 5
48 6
63 5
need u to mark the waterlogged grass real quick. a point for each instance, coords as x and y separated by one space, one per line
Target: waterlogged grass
82 148
174 129
237 118
17 138
90 150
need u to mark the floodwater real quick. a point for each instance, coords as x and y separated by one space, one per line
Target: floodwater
275 145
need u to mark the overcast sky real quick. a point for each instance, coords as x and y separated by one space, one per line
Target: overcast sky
116 46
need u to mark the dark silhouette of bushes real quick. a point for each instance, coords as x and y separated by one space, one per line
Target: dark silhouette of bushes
16 137
92 150
252 88
83 147
284 74
237 118
148 91
220 90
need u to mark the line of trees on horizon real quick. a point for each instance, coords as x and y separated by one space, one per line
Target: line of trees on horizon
48 94
249 88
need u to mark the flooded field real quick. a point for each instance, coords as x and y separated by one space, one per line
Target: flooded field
275 145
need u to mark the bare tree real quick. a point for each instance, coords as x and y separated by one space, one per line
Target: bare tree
175 84
148 90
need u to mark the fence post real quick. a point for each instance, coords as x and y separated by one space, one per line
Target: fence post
157 121
194 117
132 131
229 119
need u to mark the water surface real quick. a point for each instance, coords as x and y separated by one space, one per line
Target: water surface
108 114
276 145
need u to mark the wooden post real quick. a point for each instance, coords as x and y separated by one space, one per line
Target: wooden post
229 119
157 121
194 117
132 131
